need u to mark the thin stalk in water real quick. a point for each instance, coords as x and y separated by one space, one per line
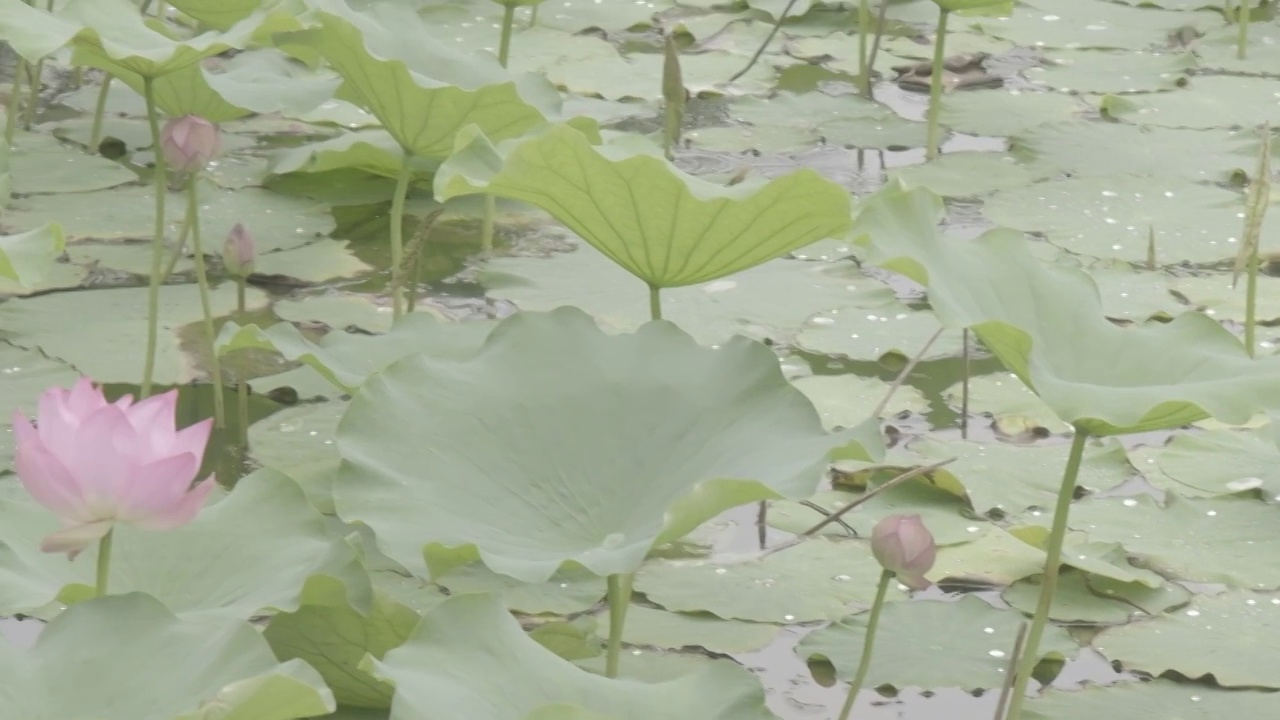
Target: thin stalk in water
486 224
619 599
875 43
1249 258
864 52
13 107
157 241
935 86
673 96
1229 10
760 50
964 388
1251 307
99 110
1242 33
242 382
868 645
202 281
1049 577
33 93
904 374
1010 671
504 41
397 230
104 564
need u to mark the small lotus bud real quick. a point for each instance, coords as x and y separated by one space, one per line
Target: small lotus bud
239 251
903 546
188 143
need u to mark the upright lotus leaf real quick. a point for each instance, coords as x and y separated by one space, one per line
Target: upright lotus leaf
221 14
420 88
111 35
348 359
557 442
262 547
665 227
468 658
27 257
1045 323
126 657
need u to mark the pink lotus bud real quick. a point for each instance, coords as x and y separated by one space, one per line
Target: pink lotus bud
189 143
239 251
903 546
95 463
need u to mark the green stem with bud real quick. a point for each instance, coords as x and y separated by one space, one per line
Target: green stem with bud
159 180
868 645
935 86
104 564
202 281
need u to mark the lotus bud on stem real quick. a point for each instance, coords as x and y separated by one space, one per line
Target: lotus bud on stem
905 549
239 253
674 95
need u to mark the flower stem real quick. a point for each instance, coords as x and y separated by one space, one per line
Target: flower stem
15 102
397 230
104 563
935 86
655 303
868 645
504 42
159 179
1251 304
864 71
486 227
202 281
33 93
1242 35
619 600
99 110
964 389
1049 578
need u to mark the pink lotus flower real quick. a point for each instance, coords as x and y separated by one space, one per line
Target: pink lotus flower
904 546
239 251
188 143
95 463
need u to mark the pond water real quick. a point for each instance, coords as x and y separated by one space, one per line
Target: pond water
1097 125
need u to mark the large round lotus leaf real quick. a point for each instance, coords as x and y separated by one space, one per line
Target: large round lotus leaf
469 658
213 567
768 301
931 644
318 261
1090 24
817 580
847 400
1136 295
663 226
422 92
969 174
674 630
1103 559
1189 641
1222 462
940 510
41 164
1227 540
299 442
1215 296
875 328
1013 406
334 640
994 557
637 77
1000 113
1075 601
557 442
570 590
1094 71
1090 148
173 669
102 332
1013 478
840 119
1218 49
1045 323
1113 217
1156 700
1208 101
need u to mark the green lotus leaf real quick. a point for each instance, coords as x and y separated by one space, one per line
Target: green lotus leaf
26 258
1045 323
665 227
334 639
373 151
931 644
150 665
558 442
1077 600
221 14
422 90
111 35
214 567
1155 700
348 359
1184 641
469 658
1222 462
961 6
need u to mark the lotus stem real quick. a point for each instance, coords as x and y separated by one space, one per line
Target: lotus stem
533 16
1010 671
99 110
935 86
397 230
1242 36
655 302
486 223
868 645
673 96
183 233
242 382
760 50
1228 10
864 53
1049 578
202 281
504 42
157 241
33 92
619 599
1251 306
875 43
906 372
964 388
104 564
12 108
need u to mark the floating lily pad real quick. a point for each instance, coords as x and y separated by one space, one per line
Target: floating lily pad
659 628
942 511
1001 113
840 119
1157 700
994 557
299 442
969 174
570 590
41 164
1187 641
1074 601
1214 295
1095 71
1090 24
176 668
1134 294
878 327
1090 148
847 400
1207 101
470 658
540 429
1012 405
819 579
1222 462
931 644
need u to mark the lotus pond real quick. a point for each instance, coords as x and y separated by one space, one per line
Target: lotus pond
566 377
